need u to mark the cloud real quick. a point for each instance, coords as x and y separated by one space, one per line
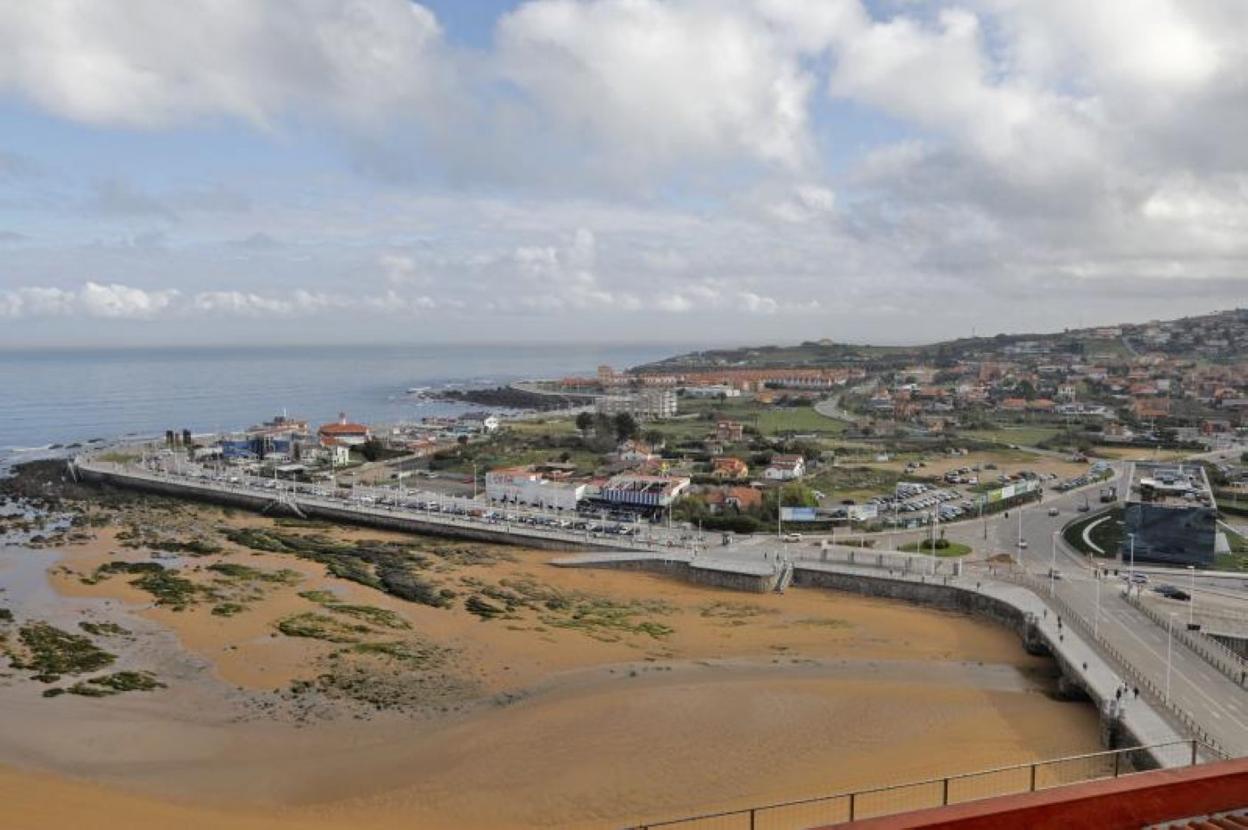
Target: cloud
656 83
111 301
152 64
121 301
626 165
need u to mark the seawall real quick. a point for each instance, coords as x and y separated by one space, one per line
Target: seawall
382 520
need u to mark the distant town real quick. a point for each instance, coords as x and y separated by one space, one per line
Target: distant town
820 436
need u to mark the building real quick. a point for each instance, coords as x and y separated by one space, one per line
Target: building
482 422
343 431
729 467
785 468
644 405
642 491
714 390
728 498
729 431
1170 516
525 485
338 454
635 451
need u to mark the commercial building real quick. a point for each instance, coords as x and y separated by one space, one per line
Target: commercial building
344 432
524 485
642 491
644 405
1170 516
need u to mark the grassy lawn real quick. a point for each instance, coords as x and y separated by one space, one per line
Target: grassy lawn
1022 435
800 419
1107 535
545 426
952 549
857 483
1237 559
1138 453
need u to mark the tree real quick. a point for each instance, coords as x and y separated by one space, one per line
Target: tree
653 437
372 449
625 426
585 421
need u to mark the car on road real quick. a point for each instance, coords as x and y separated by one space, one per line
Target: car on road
792 537
1171 592
1022 543
1053 511
1137 579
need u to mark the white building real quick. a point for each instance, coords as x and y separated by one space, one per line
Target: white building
646 405
642 490
785 468
521 485
713 391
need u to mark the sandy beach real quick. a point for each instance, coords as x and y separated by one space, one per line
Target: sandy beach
596 699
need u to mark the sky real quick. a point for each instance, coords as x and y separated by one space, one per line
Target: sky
701 171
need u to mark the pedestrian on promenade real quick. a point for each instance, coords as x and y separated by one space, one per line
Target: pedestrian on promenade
1136 689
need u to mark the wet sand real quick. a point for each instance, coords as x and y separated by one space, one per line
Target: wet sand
750 698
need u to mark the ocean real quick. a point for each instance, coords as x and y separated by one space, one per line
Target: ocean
63 396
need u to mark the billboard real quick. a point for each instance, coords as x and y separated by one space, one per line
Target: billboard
1009 491
863 512
798 514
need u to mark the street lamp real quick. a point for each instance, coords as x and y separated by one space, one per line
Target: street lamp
1096 620
1169 652
1131 570
1053 564
1191 596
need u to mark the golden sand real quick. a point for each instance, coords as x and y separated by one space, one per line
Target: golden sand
751 698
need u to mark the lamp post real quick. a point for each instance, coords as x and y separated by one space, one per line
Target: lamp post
1169 653
1096 620
1053 564
1191 596
1131 569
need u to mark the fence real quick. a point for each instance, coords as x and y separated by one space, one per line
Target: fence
917 795
1151 690
1213 652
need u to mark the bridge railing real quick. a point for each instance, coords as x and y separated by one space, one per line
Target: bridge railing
932 792
1209 649
1151 690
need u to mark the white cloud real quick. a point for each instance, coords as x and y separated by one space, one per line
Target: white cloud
150 63
91 300
757 304
656 83
240 302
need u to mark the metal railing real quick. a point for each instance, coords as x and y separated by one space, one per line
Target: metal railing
1209 649
1125 667
933 792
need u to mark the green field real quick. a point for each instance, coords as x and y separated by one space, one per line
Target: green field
1023 436
951 549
